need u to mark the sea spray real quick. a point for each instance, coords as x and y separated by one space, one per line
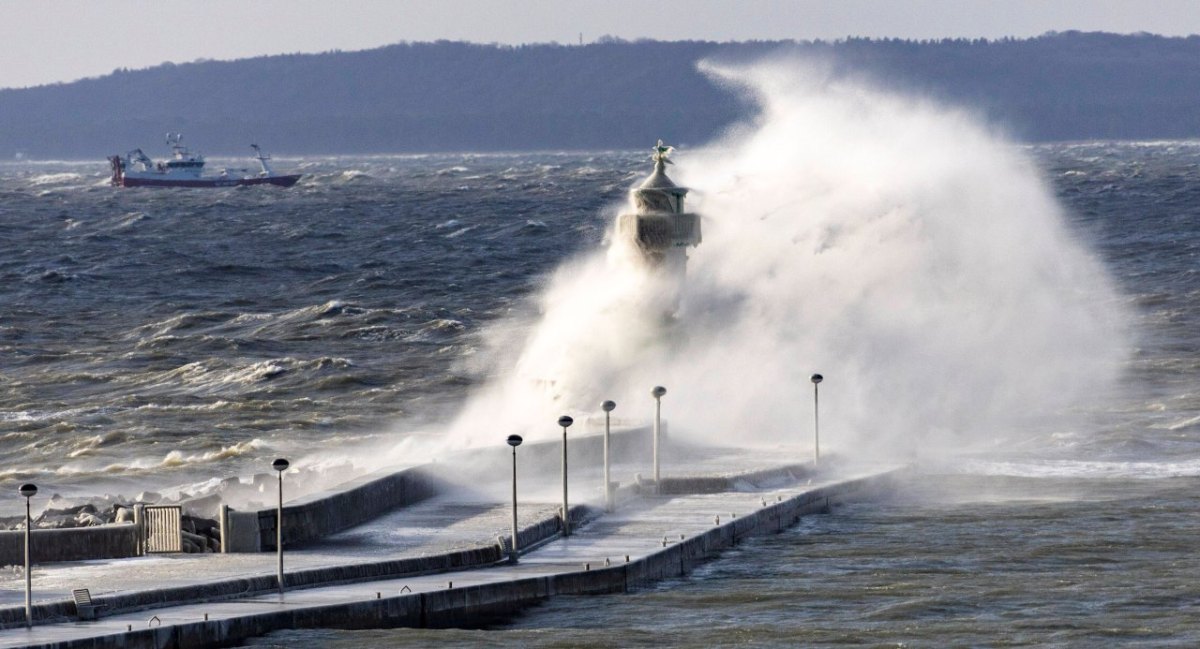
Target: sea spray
903 249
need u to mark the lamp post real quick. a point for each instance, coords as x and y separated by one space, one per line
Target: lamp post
279 465
514 441
29 491
816 380
565 422
607 407
658 393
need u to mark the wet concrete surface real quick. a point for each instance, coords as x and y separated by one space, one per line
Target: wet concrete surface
466 518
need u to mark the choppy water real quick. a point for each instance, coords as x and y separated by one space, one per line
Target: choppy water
154 338
163 337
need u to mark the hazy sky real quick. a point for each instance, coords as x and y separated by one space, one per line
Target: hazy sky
43 41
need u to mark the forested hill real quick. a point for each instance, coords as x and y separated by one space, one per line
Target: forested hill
447 96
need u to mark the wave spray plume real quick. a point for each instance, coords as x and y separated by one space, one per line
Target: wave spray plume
900 248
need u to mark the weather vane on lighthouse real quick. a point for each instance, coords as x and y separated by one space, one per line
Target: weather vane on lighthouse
662 153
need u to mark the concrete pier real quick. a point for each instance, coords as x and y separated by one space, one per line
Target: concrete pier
646 539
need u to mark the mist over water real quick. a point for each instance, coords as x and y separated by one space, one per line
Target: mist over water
909 253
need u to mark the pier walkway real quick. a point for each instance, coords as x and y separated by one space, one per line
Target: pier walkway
647 538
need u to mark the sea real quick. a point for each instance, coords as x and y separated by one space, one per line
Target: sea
159 339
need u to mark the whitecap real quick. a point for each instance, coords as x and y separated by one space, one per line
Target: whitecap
1082 469
50 179
1186 423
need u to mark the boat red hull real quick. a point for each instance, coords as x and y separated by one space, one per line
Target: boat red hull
280 181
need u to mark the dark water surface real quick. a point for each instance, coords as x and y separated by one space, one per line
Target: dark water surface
164 337
155 337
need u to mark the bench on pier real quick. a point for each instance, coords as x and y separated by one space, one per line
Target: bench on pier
85 608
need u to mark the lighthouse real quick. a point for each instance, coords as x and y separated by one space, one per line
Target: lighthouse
660 228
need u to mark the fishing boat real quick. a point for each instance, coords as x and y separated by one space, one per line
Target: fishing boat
185 169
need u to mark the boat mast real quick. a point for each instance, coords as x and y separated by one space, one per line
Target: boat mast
262 160
178 150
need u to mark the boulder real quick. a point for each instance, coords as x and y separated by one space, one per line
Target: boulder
86 508
203 526
206 506
195 543
264 481
89 520
54 520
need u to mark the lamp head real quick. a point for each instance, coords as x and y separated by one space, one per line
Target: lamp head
608 406
28 490
565 421
658 391
514 440
280 465
816 378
